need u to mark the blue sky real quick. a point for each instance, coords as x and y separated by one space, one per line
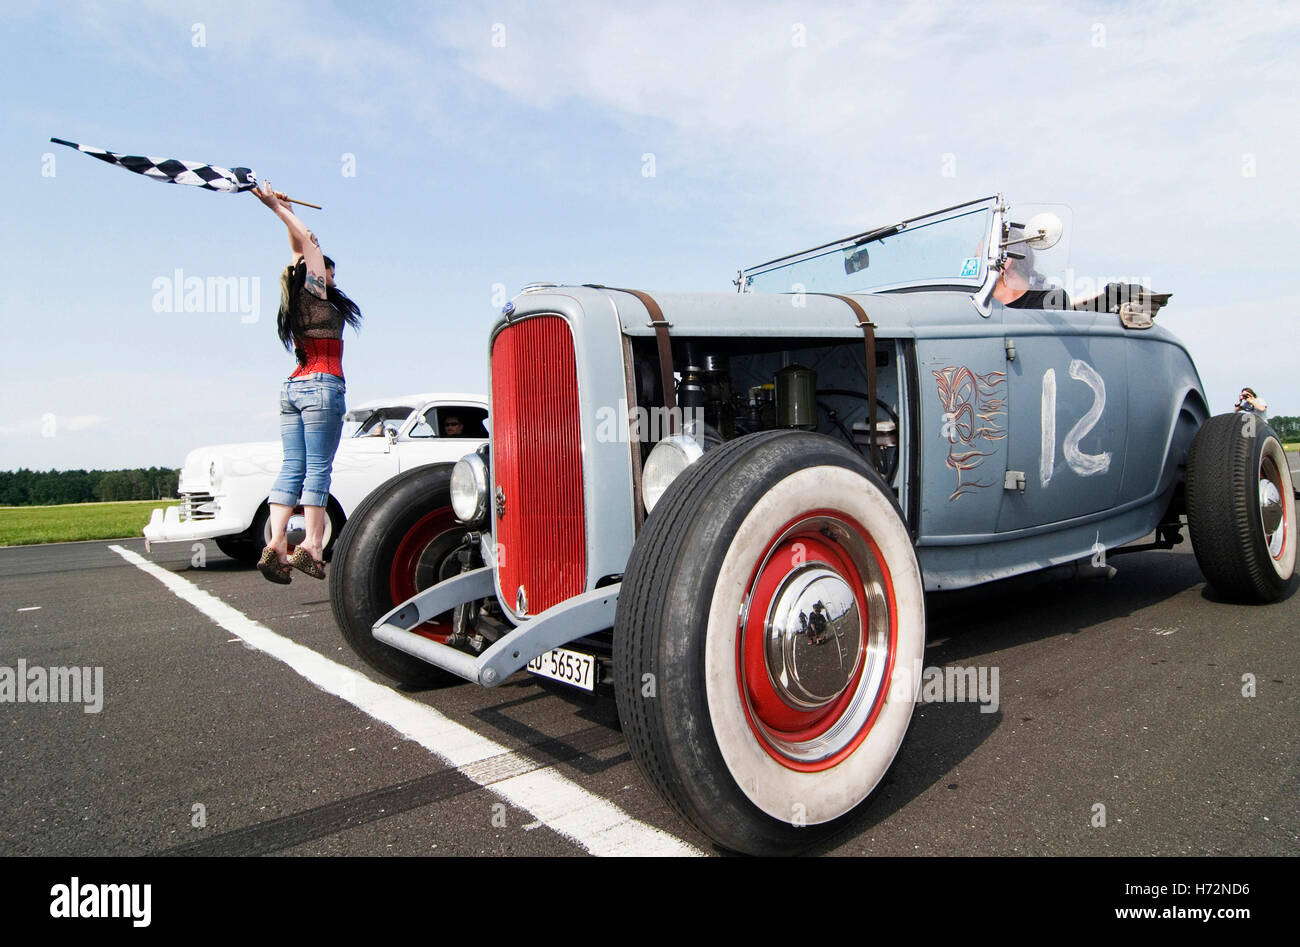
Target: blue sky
496 144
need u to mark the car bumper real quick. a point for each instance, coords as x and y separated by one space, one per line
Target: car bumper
166 526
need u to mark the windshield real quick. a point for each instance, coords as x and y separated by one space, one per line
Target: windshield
374 425
946 248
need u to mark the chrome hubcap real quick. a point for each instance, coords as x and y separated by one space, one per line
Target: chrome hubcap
1271 512
815 650
813 636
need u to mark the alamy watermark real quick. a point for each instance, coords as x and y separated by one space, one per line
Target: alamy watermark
1078 287
54 685
622 425
947 685
75 899
181 293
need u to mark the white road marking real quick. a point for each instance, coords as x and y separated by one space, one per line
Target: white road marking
598 826
30 608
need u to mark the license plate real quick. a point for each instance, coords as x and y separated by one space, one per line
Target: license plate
568 667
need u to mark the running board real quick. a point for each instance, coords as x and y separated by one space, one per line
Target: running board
576 618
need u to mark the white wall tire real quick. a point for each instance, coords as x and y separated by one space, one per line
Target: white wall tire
297 528
741 748
1241 510
777 781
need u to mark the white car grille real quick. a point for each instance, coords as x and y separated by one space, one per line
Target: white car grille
197 506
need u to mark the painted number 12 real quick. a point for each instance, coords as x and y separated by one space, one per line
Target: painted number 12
1085 465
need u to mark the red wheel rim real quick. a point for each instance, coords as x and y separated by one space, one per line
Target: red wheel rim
776 724
407 560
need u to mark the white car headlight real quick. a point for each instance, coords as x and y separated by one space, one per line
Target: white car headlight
216 472
669 458
469 490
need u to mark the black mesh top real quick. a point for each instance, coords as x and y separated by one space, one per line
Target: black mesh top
318 318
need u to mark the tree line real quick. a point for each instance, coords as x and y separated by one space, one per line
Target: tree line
1287 428
24 487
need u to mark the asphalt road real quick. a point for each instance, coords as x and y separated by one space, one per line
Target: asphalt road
1125 693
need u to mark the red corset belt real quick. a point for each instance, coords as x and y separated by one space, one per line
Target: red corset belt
323 355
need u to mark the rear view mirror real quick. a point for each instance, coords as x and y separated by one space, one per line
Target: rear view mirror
855 259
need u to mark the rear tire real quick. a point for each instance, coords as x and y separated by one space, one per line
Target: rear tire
1241 510
246 547
241 550
400 540
766 748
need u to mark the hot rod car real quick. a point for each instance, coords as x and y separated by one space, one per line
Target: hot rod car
730 506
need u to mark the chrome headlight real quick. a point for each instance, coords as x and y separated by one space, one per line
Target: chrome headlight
669 458
469 490
216 472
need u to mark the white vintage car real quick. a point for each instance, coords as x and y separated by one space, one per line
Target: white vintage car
223 489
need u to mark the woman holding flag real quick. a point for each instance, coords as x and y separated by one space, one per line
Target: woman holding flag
310 323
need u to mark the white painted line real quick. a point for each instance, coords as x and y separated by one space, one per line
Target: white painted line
30 608
597 825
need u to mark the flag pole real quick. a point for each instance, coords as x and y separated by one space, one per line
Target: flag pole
304 203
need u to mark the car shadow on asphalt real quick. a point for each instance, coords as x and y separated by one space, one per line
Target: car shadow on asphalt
968 625
574 748
1064 600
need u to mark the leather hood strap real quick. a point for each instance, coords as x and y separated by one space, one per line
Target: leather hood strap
869 337
661 327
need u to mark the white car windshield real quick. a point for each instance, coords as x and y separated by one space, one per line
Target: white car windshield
377 420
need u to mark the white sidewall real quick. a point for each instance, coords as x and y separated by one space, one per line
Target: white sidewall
1285 566
772 787
329 527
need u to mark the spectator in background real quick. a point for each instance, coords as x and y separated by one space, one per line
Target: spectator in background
1249 401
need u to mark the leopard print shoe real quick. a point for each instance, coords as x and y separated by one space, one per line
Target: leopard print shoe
274 570
302 561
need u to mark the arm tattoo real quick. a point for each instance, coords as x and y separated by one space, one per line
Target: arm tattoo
315 285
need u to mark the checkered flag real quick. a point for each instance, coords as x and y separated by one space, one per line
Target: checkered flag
172 171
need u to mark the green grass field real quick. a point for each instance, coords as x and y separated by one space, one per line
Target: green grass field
24 525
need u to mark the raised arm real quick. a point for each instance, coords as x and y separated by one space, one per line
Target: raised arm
295 243
301 240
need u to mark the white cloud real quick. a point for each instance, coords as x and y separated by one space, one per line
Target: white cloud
50 424
853 124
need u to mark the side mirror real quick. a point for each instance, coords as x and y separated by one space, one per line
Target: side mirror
1043 231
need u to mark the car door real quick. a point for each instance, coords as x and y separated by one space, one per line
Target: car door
1068 385
365 460
428 441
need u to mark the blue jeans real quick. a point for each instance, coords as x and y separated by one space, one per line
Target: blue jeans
311 420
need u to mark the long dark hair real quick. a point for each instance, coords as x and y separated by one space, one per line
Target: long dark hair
292 281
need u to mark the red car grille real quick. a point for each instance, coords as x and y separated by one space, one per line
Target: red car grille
537 464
